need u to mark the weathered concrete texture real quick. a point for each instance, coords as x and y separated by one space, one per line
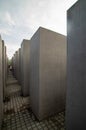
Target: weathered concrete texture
5 78
48 73
1 83
6 65
16 64
25 67
76 77
19 65
12 63
4 68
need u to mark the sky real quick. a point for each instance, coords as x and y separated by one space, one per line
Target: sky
19 19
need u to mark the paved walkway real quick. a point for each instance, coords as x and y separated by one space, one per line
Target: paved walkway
18 114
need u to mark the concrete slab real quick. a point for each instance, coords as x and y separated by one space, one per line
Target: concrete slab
6 65
4 68
48 73
25 57
13 64
1 84
76 77
19 65
16 65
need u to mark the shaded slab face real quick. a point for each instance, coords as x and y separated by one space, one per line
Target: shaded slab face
48 73
4 68
1 84
25 57
19 65
76 77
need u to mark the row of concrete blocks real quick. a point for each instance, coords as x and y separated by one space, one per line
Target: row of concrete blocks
40 67
3 76
47 70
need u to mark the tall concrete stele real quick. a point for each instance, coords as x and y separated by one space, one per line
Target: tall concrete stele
1 83
25 58
47 73
16 62
76 77
19 65
4 68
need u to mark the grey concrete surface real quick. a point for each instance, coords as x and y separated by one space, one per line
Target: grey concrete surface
4 68
1 84
47 73
13 64
6 64
19 65
5 78
76 76
16 64
25 65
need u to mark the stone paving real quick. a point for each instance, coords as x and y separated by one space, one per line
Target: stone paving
19 116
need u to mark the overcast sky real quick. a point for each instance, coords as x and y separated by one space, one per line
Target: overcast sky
19 19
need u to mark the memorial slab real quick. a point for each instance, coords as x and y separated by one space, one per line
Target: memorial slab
47 73
1 83
25 67
76 68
